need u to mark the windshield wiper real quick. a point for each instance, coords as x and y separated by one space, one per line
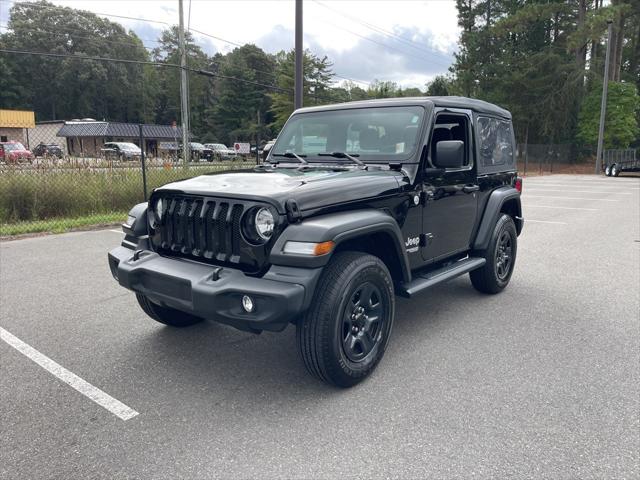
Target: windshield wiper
344 155
291 155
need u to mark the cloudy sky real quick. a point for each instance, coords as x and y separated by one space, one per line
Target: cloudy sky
406 41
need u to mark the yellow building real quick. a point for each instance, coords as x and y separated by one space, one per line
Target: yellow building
14 125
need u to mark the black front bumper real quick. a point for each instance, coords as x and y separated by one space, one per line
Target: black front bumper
279 296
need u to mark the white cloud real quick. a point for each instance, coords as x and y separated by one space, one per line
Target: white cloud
335 28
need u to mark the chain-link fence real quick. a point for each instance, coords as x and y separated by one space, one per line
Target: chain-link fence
87 173
539 159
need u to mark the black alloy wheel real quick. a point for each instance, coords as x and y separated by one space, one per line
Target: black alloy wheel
362 322
503 255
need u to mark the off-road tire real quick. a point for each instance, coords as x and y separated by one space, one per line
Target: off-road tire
488 278
166 315
321 335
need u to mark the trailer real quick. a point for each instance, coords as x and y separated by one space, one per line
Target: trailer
618 161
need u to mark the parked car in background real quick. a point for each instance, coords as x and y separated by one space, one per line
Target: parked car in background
48 150
14 152
200 152
221 151
121 151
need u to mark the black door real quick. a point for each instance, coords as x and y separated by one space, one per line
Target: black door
451 197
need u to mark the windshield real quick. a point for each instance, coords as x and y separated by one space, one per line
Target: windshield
374 134
13 146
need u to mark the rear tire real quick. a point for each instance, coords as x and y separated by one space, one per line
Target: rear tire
607 170
345 332
166 315
494 276
615 171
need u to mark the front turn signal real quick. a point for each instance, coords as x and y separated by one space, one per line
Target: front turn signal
308 248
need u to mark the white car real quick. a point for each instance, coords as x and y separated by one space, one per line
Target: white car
221 151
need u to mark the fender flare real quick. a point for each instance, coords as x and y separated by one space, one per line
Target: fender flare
338 227
136 224
492 210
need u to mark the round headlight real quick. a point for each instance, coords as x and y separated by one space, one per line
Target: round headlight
159 209
264 223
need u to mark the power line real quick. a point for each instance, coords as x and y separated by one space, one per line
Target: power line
74 35
272 74
39 5
382 31
143 62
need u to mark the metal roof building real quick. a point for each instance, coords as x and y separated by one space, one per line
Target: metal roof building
87 137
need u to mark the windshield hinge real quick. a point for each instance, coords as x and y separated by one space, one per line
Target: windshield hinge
293 211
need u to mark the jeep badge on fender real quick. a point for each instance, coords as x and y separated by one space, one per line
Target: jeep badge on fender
329 230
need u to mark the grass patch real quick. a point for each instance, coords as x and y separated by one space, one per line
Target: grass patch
60 225
56 195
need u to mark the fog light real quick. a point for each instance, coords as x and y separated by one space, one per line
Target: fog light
247 303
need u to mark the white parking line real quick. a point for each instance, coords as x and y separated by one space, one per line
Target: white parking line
570 198
93 393
576 185
528 220
545 189
562 208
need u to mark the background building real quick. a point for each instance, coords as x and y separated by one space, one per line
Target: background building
87 137
14 125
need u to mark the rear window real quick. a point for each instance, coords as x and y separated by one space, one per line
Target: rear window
495 143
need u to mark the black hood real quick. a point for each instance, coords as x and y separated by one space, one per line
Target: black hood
311 189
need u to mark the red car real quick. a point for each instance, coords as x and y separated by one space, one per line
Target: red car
13 152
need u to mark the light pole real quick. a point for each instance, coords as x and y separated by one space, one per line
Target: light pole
603 105
184 98
299 57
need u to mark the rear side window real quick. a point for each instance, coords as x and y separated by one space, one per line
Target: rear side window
495 143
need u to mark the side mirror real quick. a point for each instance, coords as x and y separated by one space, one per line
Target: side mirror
449 154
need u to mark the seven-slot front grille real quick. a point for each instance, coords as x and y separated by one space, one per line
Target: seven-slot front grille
201 227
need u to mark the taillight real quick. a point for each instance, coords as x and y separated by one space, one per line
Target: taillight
518 184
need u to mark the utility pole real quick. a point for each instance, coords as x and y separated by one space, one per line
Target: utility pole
184 97
603 105
299 56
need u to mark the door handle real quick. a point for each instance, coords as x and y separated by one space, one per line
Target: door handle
470 188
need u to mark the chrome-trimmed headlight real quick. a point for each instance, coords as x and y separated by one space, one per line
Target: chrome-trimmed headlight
265 223
258 225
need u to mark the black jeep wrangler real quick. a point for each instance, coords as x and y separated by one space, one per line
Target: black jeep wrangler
357 203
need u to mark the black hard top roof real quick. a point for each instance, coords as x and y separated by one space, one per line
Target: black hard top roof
479 106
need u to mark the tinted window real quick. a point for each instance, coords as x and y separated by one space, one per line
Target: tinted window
495 140
385 133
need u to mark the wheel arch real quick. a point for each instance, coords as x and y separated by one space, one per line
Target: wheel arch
368 231
502 200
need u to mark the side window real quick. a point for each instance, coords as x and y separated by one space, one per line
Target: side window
495 142
450 127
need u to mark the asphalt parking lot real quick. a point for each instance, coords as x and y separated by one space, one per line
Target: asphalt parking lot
542 380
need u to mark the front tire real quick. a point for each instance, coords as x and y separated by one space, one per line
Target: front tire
166 315
494 276
607 170
345 332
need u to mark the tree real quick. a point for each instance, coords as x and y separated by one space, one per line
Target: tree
621 123
241 110
317 79
167 96
439 86
63 88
